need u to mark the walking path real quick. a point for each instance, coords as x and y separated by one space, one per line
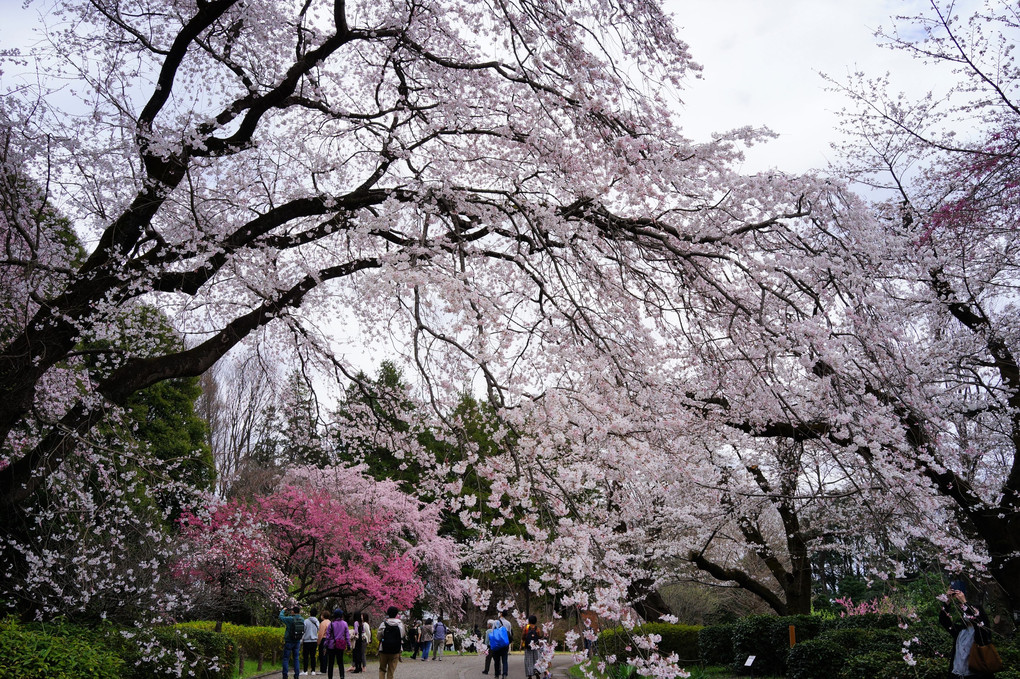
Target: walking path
452 666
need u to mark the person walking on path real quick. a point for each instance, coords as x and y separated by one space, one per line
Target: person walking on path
362 637
338 640
391 636
323 651
438 640
484 646
499 648
414 637
425 637
532 642
294 629
309 640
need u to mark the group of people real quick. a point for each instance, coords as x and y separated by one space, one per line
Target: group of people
426 636
498 639
325 640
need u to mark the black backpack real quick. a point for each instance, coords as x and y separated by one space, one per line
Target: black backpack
390 640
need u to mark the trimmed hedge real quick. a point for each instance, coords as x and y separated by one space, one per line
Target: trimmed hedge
169 652
253 642
36 654
866 621
679 639
768 639
814 658
715 644
133 653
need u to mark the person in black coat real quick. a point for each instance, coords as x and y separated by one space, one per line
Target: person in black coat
968 624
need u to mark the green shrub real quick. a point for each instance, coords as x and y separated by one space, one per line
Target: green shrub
866 621
768 639
815 658
169 652
679 639
253 642
868 665
36 654
715 644
926 668
857 641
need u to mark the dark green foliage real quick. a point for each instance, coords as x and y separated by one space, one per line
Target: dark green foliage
753 636
715 644
27 653
814 658
926 668
154 653
679 639
768 639
865 640
135 653
932 640
880 665
866 621
868 665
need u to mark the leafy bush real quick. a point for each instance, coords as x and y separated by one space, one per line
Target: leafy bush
857 641
715 644
866 621
679 639
815 658
251 641
768 639
926 668
868 665
36 654
170 652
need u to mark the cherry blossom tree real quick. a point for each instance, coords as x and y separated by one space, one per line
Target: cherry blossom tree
482 181
949 164
227 559
346 535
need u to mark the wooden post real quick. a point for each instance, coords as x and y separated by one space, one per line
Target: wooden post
793 636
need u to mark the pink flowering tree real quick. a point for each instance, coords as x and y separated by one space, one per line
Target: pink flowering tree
228 561
343 536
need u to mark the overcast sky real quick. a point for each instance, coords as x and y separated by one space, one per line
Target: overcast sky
762 60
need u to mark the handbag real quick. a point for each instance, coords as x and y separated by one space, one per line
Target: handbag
984 659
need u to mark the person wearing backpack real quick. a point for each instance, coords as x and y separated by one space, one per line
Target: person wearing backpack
294 627
438 639
338 640
499 648
391 639
532 638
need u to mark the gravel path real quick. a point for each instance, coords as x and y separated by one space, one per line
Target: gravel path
452 666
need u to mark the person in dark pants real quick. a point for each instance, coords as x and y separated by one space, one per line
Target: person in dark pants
323 651
488 652
338 640
499 647
309 640
968 625
362 635
413 635
294 627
